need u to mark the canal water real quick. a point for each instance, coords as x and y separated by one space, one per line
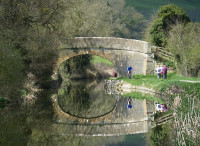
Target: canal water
81 113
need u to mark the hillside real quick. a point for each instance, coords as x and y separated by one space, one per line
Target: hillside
150 7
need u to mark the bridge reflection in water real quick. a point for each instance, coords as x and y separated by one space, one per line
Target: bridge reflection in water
118 121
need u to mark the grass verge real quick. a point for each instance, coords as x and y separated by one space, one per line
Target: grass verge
142 96
98 59
151 81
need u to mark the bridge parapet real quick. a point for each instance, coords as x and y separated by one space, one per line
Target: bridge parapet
121 52
109 42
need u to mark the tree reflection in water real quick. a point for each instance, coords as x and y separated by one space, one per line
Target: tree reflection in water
75 98
85 99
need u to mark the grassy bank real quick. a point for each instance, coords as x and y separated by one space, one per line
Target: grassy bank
161 85
173 86
183 99
98 59
149 7
142 96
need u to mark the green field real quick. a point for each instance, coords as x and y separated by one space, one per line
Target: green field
149 7
151 81
98 59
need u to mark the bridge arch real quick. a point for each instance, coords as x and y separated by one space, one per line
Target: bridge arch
119 121
121 52
82 52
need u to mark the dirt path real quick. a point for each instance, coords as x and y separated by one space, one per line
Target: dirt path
189 81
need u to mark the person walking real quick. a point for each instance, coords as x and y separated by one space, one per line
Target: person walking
159 69
165 72
129 69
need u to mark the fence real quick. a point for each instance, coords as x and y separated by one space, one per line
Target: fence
159 52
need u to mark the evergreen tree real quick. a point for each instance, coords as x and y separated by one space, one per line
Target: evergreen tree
167 16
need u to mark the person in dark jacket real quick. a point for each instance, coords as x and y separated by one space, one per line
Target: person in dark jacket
165 72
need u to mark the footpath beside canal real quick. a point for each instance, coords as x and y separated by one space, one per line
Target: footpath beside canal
121 87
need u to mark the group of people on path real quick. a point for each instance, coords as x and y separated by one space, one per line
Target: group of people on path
162 72
161 107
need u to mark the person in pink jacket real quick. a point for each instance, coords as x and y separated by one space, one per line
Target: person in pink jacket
165 72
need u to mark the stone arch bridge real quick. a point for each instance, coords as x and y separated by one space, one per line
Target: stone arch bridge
121 52
120 121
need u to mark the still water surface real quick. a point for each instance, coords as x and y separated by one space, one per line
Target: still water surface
84 115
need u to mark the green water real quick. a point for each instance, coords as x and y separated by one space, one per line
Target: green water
85 100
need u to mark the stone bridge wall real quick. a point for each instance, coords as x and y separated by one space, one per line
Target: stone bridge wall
120 121
109 42
122 52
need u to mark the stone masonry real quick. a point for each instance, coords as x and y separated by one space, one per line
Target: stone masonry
122 52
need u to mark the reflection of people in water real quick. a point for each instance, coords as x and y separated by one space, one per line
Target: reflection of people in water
161 107
129 104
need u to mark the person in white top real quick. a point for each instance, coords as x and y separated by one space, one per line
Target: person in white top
158 70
